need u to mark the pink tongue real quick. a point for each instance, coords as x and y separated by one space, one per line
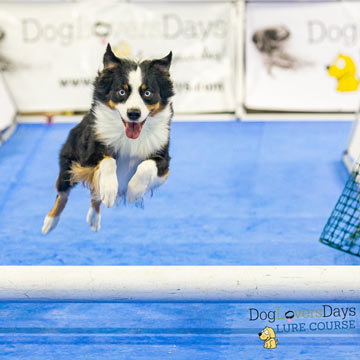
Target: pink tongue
132 130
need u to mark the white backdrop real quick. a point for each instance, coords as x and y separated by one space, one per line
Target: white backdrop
294 76
7 106
54 50
50 52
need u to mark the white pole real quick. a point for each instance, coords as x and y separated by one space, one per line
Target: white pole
179 283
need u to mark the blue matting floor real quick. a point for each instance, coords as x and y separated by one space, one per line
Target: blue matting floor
238 194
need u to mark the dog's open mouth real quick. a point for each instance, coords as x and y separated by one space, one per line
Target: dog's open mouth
133 129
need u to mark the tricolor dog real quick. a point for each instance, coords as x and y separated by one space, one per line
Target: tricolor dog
121 146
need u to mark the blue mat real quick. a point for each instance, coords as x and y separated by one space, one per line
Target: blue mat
238 194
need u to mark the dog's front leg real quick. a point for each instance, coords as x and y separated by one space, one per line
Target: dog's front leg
145 178
108 183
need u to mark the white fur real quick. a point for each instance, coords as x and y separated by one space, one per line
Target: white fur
93 219
50 223
134 101
110 129
145 179
108 181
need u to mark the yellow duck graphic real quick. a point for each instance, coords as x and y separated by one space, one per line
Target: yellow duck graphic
268 335
344 70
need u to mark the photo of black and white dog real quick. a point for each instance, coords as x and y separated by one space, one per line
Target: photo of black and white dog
272 44
121 146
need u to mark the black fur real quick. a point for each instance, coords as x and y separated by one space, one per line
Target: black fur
81 146
157 78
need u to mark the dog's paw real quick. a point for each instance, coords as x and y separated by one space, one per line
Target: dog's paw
93 219
50 223
136 190
108 190
142 181
135 196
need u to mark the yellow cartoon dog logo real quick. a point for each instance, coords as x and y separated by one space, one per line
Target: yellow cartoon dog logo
122 49
268 335
344 70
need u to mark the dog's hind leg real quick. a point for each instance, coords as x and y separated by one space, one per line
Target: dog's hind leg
93 215
63 186
53 217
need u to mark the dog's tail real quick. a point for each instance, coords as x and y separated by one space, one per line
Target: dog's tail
87 175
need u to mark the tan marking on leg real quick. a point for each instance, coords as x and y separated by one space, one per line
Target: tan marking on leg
165 176
60 204
93 216
96 204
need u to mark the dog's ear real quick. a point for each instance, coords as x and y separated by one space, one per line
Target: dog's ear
164 63
110 60
271 332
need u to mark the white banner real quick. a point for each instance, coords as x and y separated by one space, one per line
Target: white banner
7 106
51 52
303 56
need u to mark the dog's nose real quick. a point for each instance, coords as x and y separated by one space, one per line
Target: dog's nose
327 67
259 334
133 114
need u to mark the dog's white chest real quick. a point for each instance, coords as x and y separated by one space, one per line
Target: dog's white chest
125 168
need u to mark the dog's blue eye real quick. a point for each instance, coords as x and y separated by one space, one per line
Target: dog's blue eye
122 92
147 93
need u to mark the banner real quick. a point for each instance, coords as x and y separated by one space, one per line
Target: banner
51 52
7 106
303 56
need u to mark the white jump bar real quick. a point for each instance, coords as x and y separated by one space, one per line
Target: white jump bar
179 283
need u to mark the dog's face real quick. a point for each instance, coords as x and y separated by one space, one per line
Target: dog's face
138 91
267 334
267 40
343 65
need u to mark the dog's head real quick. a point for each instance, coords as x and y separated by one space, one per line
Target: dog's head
269 39
343 65
267 333
138 91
